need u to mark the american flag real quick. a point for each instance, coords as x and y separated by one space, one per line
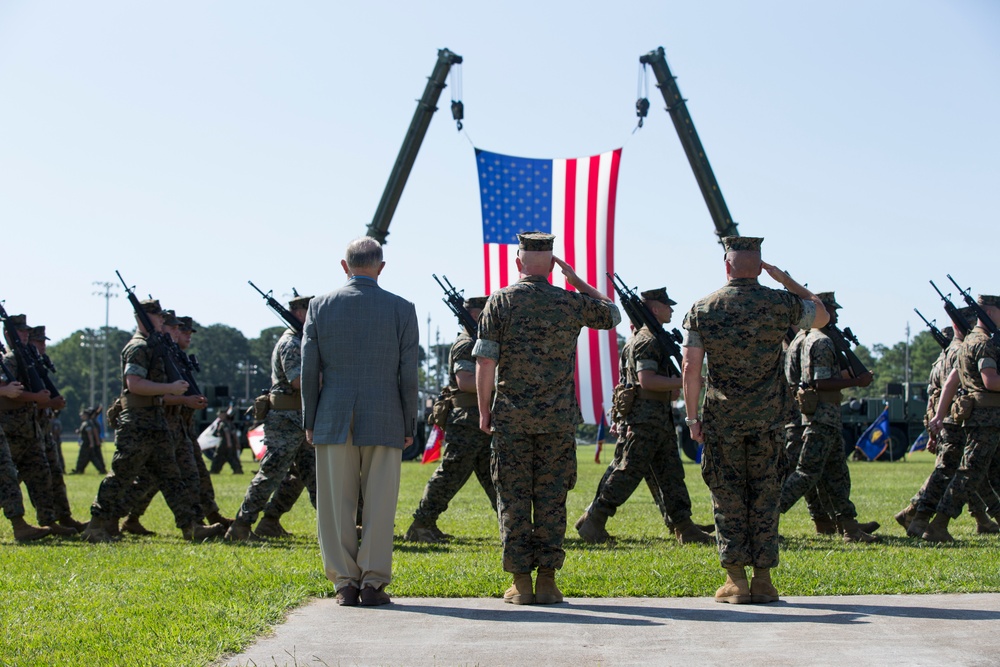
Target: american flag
575 200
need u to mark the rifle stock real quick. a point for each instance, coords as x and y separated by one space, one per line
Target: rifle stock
456 303
159 342
848 360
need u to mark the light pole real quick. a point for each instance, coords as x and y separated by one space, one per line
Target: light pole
108 294
89 339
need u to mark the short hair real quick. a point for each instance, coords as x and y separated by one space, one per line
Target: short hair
536 262
745 263
364 253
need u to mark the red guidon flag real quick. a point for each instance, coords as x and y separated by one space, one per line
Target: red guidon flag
432 450
258 446
575 200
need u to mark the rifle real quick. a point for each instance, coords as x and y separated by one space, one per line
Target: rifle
43 365
456 303
980 313
8 377
941 339
280 310
641 316
960 324
160 343
24 358
848 360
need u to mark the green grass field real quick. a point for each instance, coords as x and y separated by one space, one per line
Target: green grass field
162 601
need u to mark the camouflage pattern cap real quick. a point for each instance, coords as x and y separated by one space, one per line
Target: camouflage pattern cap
476 302
151 306
186 323
738 243
828 299
38 334
658 294
170 318
19 322
299 302
535 241
988 300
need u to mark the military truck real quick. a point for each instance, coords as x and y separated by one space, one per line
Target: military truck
907 403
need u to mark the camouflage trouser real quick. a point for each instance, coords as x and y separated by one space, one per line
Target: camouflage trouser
950 444
742 473
977 457
139 449
532 474
10 490
226 453
989 489
467 450
90 454
821 465
649 452
284 438
147 484
301 476
33 469
60 499
817 502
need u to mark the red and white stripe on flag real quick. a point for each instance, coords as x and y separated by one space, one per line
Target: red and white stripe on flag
583 222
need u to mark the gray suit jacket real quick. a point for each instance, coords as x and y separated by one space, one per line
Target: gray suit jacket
359 365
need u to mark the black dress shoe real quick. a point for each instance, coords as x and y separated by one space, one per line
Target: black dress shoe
348 596
373 597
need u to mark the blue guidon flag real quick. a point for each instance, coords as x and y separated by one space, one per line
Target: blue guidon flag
875 439
574 199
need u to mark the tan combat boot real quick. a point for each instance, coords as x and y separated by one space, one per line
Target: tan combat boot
918 524
736 590
853 534
591 527
60 531
215 517
199 533
267 527
520 591
70 522
984 524
97 532
905 515
688 533
762 590
131 524
546 591
25 532
440 534
238 531
420 531
825 525
937 529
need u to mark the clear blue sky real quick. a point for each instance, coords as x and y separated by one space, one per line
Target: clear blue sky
195 146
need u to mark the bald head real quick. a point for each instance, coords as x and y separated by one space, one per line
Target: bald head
535 262
743 264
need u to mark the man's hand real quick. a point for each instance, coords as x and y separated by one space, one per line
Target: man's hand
57 403
177 388
195 402
777 274
934 426
485 419
12 390
407 441
696 433
309 436
932 445
567 272
864 379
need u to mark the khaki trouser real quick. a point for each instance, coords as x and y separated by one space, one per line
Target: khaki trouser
341 471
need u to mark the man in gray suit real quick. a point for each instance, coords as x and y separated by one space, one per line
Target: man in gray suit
359 409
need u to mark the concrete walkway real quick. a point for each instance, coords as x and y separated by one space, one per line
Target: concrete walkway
850 631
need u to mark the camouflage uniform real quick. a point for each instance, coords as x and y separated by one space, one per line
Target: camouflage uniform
816 501
821 464
530 329
648 449
283 432
741 327
24 438
228 450
143 439
10 490
982 429
950 442
301 476
90 447
467 449
60 498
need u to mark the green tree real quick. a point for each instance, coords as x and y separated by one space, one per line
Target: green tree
72 359
224 356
